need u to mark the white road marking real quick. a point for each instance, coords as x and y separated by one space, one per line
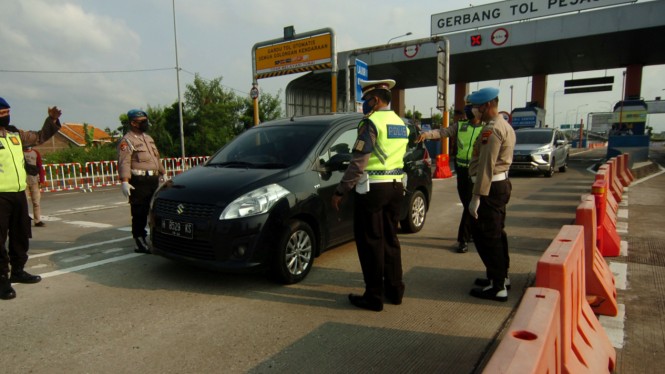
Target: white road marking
622 227
622 213
89 265
620 270
75 258
87 224
112 250
614 326
58 251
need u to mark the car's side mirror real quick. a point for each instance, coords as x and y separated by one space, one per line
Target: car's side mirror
560 142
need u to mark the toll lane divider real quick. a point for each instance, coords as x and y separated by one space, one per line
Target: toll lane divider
585 346
532 343
608 241
72 176
625 175
601 292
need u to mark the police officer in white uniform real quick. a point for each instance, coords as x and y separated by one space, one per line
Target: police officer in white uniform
376 172
141 172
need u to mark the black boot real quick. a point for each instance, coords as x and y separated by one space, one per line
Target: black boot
6 290
22 276
141 246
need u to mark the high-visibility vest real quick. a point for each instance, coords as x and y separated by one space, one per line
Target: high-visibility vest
12 168
387 159
466 136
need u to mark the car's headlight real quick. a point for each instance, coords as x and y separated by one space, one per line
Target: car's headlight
253 203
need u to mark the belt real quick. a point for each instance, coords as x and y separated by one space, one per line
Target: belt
385 181
495 178
143 173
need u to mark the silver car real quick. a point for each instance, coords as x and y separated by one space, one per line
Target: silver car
542 150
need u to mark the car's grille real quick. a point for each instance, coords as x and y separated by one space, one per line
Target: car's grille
199 249
522 158
183 210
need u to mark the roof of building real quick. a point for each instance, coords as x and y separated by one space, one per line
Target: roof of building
74 132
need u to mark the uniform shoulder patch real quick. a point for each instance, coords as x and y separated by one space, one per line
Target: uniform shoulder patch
485 136
124 146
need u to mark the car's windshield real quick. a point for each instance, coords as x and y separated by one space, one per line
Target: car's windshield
268 147
533 137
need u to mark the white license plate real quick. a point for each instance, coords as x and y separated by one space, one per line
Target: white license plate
177 228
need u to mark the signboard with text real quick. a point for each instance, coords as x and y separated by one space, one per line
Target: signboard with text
509 11
295 56
362 72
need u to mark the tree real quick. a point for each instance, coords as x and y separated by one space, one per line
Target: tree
270 107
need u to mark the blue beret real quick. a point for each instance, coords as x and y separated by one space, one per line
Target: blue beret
136 113
483 95
4 104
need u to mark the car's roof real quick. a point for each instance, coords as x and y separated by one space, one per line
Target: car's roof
525 129
329 119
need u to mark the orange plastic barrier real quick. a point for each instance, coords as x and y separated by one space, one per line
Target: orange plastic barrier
585 346
601 292
532 343
624 173
609 242
617 187
443 167
626 158
605 173
612 205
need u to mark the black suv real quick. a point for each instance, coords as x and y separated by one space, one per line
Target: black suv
263 200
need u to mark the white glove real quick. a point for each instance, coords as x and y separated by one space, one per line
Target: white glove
127 189
473 206
163 178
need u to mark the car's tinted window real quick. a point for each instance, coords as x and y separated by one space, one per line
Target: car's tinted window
341 145
269 146
533 137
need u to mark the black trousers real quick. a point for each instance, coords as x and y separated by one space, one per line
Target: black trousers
489 235
464 190
376 216
15 223
144 188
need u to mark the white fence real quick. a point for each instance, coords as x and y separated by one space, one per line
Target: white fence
95 174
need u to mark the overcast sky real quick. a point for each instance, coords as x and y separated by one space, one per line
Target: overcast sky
96 59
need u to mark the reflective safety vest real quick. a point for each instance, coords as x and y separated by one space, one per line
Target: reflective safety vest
12 167
466 136
387 159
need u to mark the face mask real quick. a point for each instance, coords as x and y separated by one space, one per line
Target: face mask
4 121
144 125
368 106
476 113
469 113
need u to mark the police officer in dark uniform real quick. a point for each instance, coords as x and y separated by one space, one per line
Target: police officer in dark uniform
376 172
14 216
492 156
140 172
465 132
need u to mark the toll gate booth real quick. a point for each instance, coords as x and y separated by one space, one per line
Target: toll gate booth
627 134
529 116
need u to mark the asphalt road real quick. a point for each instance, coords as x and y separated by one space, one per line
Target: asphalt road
101 308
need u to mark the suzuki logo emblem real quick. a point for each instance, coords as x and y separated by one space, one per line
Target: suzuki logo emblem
180 208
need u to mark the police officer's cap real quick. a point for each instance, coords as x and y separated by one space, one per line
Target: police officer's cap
483 95
369 86
136 113
4 104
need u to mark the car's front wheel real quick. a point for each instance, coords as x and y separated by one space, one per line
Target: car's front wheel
295 255
550 172
416 213
564 167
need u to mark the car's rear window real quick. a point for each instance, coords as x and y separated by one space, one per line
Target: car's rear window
533 137
269 146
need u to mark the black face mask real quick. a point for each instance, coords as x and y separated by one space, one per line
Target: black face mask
4 121
144 125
